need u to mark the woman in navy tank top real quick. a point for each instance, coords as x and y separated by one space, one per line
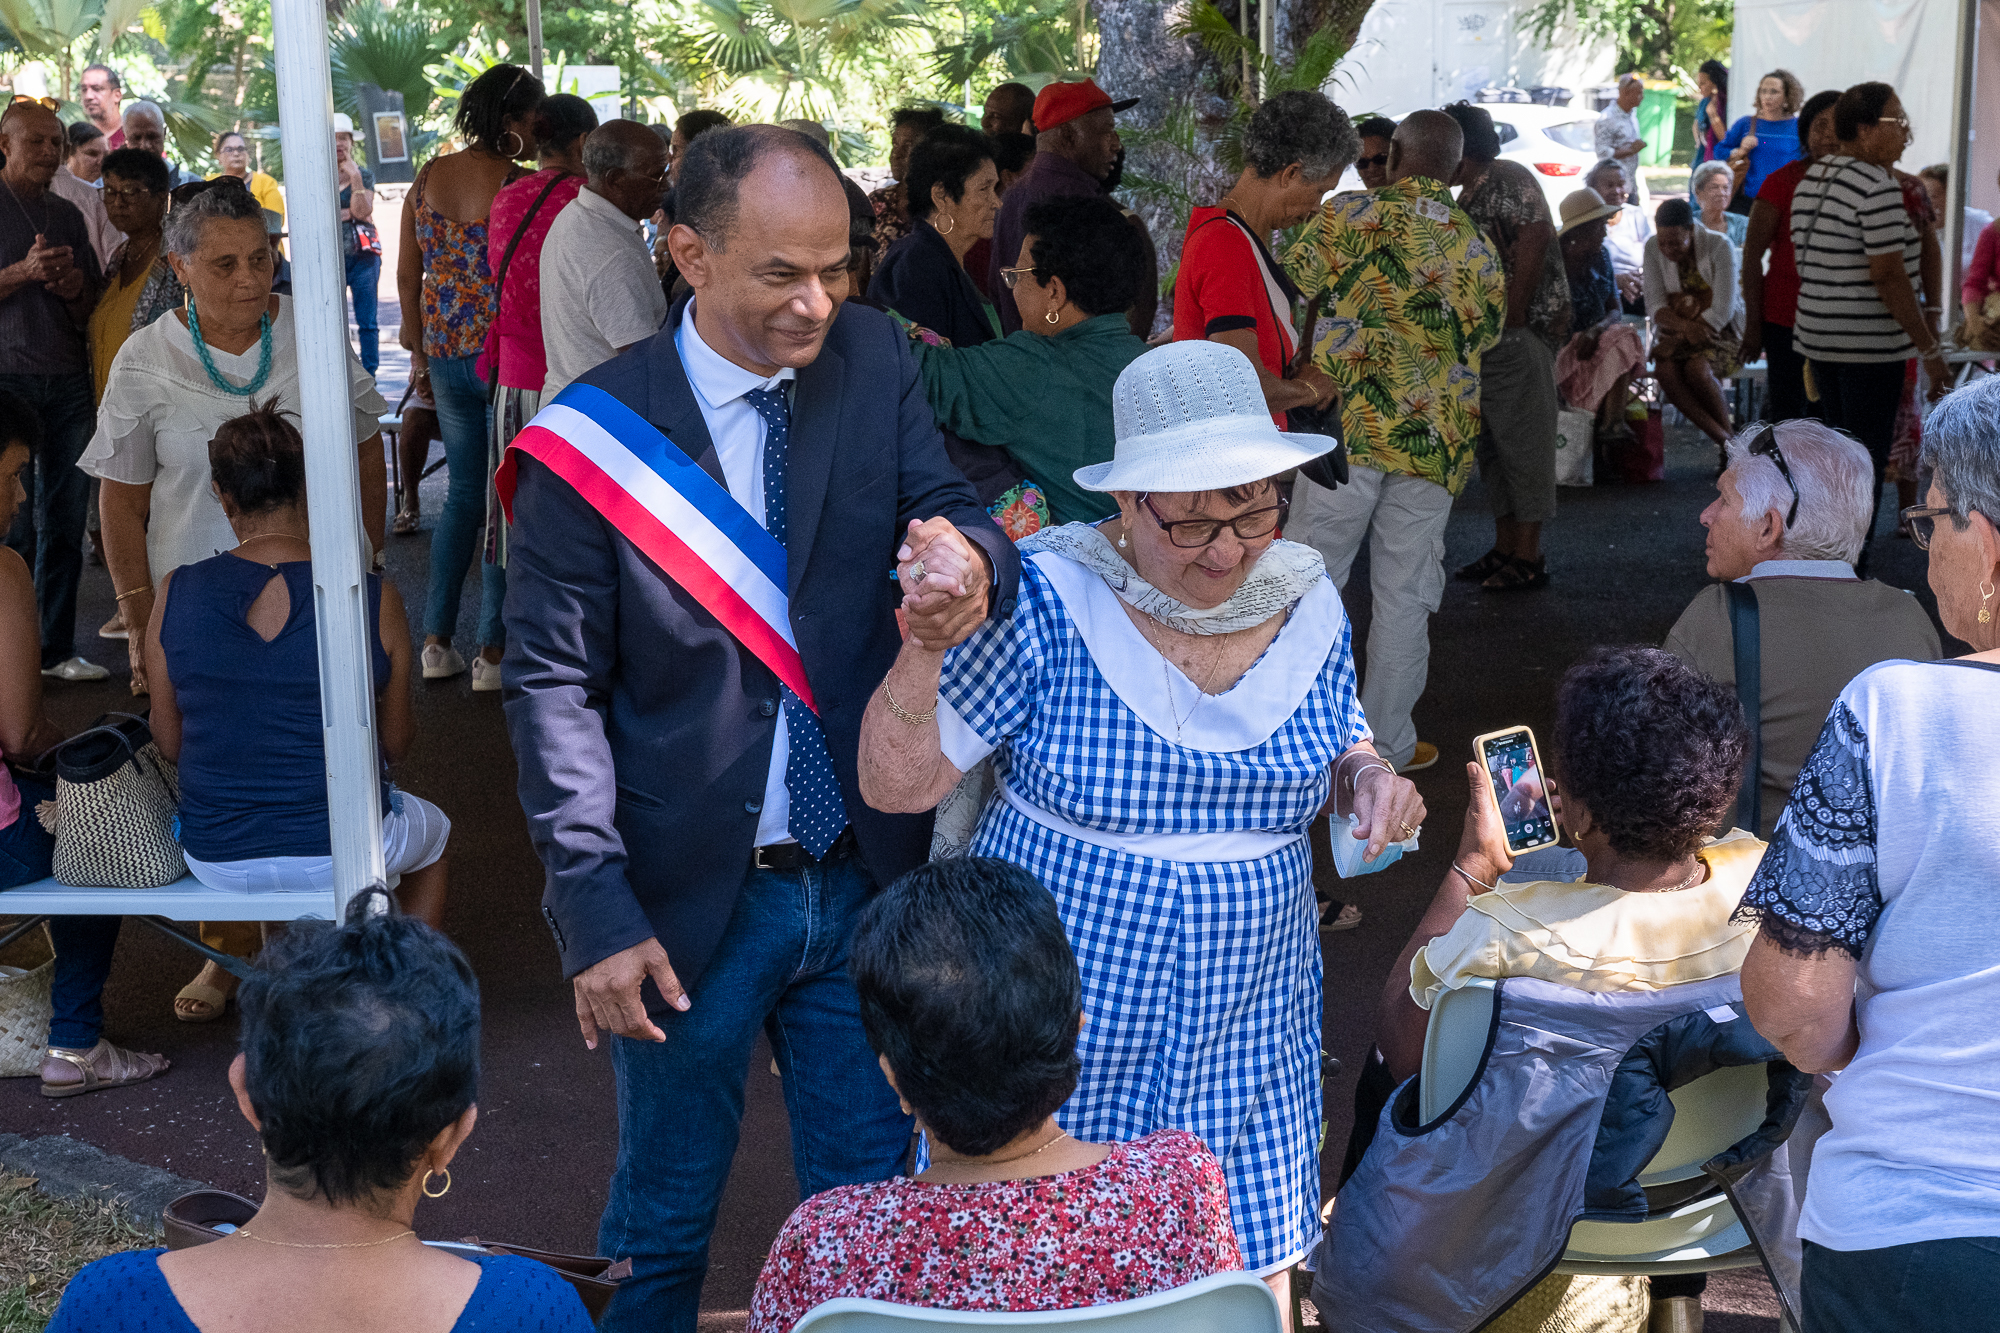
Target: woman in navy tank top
233 654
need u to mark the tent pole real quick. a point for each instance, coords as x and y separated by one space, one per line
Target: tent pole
535 36
1963 76
333 483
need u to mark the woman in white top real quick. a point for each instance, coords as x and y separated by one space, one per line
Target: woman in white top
1169 708
1879 952
172 385
1697 313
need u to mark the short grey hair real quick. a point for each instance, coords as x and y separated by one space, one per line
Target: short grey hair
187 219
606 154
142 107
1301 126
1836 481
1624 79
1962 447
1703 172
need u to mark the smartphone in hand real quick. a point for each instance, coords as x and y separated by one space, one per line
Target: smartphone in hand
1520 790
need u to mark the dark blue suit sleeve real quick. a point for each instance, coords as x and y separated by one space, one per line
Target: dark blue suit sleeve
562 640
930 487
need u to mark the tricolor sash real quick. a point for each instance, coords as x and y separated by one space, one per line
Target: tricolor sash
661 501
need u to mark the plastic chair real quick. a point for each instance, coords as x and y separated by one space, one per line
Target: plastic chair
1224 1303
1710 1114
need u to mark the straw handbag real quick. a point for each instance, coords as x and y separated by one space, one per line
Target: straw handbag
25 1009
113 816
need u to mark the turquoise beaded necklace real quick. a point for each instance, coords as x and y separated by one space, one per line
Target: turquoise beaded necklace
208 362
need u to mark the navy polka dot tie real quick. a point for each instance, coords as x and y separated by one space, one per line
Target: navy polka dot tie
818 815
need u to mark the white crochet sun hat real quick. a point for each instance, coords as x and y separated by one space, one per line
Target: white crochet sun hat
1190 416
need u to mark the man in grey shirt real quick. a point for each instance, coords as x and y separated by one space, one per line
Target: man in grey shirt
600 294
48 284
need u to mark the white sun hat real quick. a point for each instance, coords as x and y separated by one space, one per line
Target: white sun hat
1190 416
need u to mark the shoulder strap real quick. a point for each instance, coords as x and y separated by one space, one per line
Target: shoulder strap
1748 638
1281 306
507 255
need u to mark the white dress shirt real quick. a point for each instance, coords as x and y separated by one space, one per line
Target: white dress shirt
738 431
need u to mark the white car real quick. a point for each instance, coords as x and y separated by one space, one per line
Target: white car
1555 143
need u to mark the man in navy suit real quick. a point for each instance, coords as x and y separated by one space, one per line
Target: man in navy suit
702 830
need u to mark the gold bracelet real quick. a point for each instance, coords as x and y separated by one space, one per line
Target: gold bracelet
134 592
905 715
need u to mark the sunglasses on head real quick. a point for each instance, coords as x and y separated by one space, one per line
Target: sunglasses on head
1766 446
49 102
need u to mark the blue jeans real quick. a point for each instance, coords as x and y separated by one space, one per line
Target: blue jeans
48 530
464 420
1930 1286
84 944
364 275
781 968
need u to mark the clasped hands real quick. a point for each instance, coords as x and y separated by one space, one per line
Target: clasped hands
53 266
945 580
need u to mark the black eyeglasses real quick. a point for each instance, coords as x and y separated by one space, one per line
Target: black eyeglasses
1923 521
1194 533
1766 446
1379 160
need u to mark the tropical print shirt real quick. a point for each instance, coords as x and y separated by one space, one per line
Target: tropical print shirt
1411 295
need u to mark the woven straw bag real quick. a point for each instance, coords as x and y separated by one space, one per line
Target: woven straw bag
25 1009
114 809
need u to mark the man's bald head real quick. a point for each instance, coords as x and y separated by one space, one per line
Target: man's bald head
146 127
1007 109
626 164
717 164
1427 143
33 139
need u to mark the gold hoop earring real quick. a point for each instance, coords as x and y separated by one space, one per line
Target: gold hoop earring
951 223
1986 591
426 1186
1052 318
520 144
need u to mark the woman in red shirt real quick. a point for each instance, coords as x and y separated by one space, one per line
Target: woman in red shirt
971 997
1230 290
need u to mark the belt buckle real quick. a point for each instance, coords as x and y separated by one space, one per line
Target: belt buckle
758 861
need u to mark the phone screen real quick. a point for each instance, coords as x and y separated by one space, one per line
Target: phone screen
1516 772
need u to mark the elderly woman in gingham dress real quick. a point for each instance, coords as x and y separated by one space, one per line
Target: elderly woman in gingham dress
1168 708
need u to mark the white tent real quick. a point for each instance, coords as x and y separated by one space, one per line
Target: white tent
1414 53
1930 50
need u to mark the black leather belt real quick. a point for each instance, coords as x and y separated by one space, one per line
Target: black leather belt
789 856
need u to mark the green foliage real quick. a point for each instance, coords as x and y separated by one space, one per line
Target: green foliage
1012 39
394 49
46 29
1652 35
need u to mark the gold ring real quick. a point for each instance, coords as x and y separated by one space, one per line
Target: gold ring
1409 832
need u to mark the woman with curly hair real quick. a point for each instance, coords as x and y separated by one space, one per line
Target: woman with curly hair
1760 143
1648 755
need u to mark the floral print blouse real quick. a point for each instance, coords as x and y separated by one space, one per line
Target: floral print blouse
459 296
1152 1216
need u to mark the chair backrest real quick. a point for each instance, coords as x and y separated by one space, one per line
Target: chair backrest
1710 1114
1224 1303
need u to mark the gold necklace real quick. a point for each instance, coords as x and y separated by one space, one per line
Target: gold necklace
260 536
301 1245
1061 1134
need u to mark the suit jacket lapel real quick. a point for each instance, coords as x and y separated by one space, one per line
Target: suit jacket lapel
815 427
671 404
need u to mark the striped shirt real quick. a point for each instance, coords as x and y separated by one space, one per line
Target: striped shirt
1844 211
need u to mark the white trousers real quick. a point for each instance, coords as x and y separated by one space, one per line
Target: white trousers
414 833
1403 519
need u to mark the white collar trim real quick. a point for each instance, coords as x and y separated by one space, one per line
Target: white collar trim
1241 718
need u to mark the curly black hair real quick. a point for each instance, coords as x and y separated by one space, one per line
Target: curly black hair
1651 746
494 98
949 155
1086 241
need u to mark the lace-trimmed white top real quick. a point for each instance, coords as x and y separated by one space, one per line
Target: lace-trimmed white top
160 411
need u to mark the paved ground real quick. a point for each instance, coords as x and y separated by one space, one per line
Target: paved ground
1625 561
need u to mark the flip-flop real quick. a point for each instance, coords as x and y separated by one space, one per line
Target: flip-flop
216 1000
128 1067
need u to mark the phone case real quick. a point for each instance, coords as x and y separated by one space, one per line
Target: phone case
1534 748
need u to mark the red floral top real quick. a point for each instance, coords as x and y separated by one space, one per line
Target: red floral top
1152 1216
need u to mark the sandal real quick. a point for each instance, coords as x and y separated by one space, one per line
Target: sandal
123 1068
407 520
1518 574
214 1002
1485 567
1347 917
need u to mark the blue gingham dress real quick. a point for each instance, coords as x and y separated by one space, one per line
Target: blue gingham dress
1201 979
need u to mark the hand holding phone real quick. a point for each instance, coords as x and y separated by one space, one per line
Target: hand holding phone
1513 764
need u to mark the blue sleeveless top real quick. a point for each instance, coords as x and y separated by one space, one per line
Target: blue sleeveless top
127 1291
253 761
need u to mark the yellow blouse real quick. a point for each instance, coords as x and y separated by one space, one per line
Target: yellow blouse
1595 937
111 322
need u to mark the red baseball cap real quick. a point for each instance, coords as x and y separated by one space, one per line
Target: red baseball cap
1060 103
